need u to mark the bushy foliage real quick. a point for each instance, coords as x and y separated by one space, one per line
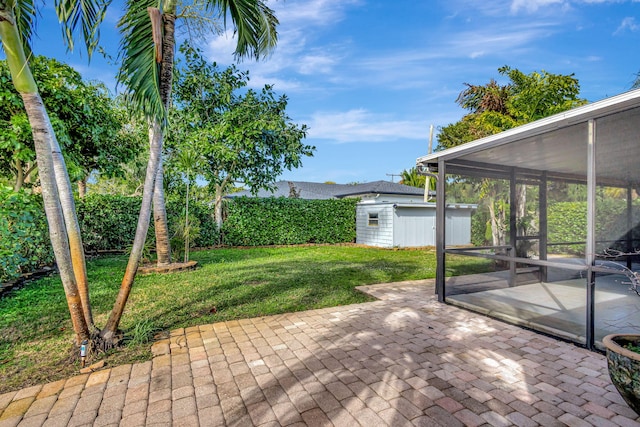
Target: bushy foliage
480 232
200 213
86 121
567 222
182 230
24 236
284 221
109 222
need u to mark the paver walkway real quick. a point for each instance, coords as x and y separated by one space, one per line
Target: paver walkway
402 360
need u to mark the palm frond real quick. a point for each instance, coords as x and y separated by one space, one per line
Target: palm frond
254 23
139 71
88 14
26 12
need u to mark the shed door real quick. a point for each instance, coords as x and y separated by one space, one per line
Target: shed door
414 227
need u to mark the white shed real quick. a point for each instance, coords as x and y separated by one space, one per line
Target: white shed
391 225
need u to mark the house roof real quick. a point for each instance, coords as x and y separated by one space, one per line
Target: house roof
317 190
379 187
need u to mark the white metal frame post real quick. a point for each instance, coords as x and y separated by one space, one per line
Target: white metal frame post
590 252
441 201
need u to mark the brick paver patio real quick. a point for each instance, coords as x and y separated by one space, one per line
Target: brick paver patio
402 360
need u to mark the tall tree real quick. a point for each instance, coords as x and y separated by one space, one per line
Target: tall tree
255 27
243 136
412 178
494 108
17 20
83 116
147 69
254 24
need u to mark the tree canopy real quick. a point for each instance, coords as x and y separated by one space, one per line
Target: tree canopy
412 178
83 115
242 134
494 108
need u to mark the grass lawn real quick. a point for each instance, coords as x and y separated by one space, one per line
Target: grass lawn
36 334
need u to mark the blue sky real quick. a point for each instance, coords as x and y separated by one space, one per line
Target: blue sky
369 77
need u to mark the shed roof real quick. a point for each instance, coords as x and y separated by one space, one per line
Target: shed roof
558 144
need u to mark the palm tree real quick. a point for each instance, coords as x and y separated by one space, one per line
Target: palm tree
150 82
255 25
148 52
17 20
412 178
490 97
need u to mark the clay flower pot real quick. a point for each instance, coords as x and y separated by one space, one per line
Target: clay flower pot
624 367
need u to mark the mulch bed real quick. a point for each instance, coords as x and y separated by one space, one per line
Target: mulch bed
168 268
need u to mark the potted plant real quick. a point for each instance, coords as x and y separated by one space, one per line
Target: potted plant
623 350
624 366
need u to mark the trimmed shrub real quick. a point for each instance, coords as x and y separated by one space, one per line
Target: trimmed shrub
286 221
109 222
568 223
24 234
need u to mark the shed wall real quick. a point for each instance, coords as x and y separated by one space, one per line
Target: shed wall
380 235
410 226
458 227
414 226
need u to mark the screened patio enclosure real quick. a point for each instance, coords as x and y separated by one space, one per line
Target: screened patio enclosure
556 236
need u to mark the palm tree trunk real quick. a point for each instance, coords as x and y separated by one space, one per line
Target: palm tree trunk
42 137
163 248
495 230
44 141
73 228
110 331
186 225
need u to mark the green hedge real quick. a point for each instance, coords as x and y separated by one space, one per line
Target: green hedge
285 221
568 223
24 235
109 222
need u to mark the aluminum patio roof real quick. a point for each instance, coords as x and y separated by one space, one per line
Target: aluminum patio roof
558 144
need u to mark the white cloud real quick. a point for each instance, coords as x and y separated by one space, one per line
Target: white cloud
279 85
628 24
360 125
311 12
221 47
531 6
495 41
313 64
300 23
534 5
